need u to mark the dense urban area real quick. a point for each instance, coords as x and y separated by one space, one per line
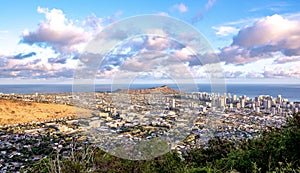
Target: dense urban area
140 114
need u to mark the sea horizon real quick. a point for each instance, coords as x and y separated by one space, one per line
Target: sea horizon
287 91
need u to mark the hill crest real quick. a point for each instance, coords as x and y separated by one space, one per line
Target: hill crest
162 89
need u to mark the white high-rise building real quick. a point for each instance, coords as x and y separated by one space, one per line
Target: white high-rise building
267 104
173 103
253 106
221 101
224 97
238 105
279 99
234 97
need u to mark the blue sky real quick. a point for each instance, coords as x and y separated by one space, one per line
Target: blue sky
255 40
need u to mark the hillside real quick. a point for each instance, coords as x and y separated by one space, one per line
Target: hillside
163 89
13 112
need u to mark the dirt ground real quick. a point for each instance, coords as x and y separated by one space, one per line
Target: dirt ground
14 112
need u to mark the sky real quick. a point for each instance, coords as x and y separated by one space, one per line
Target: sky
255 41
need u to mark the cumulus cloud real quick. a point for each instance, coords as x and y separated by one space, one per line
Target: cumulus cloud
265 38
233 74
283 60
180 7
148 47
225 30
240 55
157 43
148 55
56 31
52 49
262 69
292 72
94 22
36 62
272 30
145 61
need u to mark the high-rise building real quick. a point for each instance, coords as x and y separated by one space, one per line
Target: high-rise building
256 99
279 110
242 101
257 109
267 104
257 103
234 97
279 99
253 106
238 105
273 111
221 102
229 96
173 103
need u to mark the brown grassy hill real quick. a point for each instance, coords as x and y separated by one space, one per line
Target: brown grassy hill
163 89
13 112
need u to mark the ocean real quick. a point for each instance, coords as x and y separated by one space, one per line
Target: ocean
288 91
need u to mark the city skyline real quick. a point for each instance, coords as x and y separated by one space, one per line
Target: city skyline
256 42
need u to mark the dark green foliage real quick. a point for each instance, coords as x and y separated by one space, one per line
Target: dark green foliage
217 149
170 162
276 147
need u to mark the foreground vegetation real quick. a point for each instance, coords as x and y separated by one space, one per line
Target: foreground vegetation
277 151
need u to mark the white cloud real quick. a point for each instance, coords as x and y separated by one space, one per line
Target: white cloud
284 59
183 54
163 14
280 34
180 7
157 43
94 22
52 49
225 30
36 63
266 38
278 72
56 31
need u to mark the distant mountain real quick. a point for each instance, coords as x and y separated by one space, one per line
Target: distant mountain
163 89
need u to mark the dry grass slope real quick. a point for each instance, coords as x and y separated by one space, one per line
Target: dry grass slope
14 112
